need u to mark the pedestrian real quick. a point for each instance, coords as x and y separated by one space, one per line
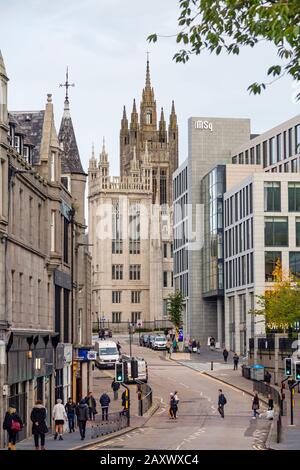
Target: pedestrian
59 417
12 424
255 406
70 408
91 403
124 401
119 347
194 345
225 355
235 361
268 377
173 406
198 347
82 413
39 427
212 343
174 345
115 386
270 402
168 347
104 402
102 333
221 402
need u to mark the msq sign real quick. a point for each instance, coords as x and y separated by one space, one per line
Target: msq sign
203 125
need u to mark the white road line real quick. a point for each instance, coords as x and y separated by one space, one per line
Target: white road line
186 386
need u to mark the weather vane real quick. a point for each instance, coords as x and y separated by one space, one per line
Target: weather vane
67 84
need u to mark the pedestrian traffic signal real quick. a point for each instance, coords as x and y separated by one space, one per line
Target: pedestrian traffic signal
288 368
119 372
134 368
297 370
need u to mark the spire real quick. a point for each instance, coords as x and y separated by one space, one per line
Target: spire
173 117
173 108
162 122
148 81
134 117
124 113
93 151
148 93
70 160
124 121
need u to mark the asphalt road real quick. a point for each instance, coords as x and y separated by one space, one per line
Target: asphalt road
199 425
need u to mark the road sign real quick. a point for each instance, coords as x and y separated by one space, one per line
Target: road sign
92 355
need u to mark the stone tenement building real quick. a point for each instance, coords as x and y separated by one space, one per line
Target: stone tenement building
130 219
44 264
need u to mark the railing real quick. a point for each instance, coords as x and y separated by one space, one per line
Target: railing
145 398
267 390
116 421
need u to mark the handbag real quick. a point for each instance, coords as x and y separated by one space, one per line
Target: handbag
15 426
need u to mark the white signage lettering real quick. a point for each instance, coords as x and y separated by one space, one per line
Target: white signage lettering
203 125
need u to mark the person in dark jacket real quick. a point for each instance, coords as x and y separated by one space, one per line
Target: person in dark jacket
12 424
255 406
115 386
221 402
39 426
270 402
82 413
235 361
225 355
70 408
91 403
173 406
104 402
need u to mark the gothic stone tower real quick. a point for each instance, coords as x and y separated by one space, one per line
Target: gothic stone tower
162 142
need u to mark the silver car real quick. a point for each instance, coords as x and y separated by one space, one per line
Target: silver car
159 342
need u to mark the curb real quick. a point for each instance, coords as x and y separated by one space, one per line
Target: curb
112 435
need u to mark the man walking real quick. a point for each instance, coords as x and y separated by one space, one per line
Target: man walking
104 402
225 355
235 361
82 412
221 403
91 403
70 408
115 386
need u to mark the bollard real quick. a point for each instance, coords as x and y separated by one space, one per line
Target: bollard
211 365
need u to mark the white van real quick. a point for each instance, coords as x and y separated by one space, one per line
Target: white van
108 354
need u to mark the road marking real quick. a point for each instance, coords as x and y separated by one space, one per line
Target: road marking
186 386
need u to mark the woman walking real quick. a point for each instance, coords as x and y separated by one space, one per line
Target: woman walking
39 426
12 424
59 417
255 406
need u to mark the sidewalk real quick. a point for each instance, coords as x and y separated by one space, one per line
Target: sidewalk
290 439
72 441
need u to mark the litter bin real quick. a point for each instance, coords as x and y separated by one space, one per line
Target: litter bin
257 372
246 371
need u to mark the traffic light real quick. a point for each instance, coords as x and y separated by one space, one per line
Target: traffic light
119 372
297 370
134 368
288 368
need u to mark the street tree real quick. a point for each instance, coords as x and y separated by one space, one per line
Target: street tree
227 25
175 307
280 305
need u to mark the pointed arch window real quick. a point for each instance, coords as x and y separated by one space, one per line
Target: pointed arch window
149 117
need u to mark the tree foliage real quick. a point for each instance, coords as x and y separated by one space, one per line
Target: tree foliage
227 25
175 307
280 305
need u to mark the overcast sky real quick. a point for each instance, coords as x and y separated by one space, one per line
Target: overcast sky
104 44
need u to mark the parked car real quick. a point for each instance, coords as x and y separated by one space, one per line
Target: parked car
159 342
105 333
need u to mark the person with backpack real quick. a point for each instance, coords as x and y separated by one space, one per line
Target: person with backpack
255 406
221 402
104 402
115 386
39 426
12 424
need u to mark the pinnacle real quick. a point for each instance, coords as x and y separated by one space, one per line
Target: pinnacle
2 65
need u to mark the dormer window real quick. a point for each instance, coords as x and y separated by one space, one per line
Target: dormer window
26 153
17 143
149 117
